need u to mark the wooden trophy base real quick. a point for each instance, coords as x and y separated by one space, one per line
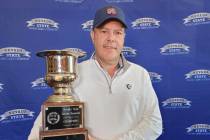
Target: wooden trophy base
79 134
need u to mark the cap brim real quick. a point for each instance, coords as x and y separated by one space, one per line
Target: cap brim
110 18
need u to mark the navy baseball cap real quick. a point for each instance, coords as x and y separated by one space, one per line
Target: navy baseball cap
108 13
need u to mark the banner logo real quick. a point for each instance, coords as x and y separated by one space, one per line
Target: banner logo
145 23
70 1
88 25
119 1
198 75
199 129
197 18
174 49
155 77
42 24
176 103
39 83
16 115
1 87
128 51
77 51
14 53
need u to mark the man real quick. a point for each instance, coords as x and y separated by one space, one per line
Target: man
120 103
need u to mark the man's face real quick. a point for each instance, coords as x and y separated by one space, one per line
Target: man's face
108 41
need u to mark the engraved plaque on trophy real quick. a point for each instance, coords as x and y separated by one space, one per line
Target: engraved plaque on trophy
62 116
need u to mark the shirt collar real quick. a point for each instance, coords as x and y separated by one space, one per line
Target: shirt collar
123 64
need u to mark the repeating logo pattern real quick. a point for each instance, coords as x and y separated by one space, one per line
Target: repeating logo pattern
14 53
87 25
39 83
198 75
199 129
77 51
155 77
197 19
145 23
129 51
174 49
42 24
1 87
176 103
16 115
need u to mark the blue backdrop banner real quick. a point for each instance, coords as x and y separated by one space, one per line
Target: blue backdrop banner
170 38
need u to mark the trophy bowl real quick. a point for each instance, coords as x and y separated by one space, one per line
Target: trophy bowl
61 72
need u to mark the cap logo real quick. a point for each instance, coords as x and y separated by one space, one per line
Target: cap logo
111 11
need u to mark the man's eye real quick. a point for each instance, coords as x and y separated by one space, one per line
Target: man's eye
119 33
103 31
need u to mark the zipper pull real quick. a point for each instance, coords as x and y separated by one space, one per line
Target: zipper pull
110 89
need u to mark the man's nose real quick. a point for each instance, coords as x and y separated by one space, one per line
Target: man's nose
111 36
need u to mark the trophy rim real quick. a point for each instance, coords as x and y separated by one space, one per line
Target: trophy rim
46 53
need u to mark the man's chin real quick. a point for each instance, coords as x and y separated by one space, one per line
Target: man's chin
112 58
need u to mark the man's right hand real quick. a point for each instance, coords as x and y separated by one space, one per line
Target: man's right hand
91 138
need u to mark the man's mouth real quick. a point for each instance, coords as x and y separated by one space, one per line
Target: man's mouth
109 47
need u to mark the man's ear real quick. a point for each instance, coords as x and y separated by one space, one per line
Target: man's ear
92 35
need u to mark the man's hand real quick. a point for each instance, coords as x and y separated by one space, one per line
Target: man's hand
91 138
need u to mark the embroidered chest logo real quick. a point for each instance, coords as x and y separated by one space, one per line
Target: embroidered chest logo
129 86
